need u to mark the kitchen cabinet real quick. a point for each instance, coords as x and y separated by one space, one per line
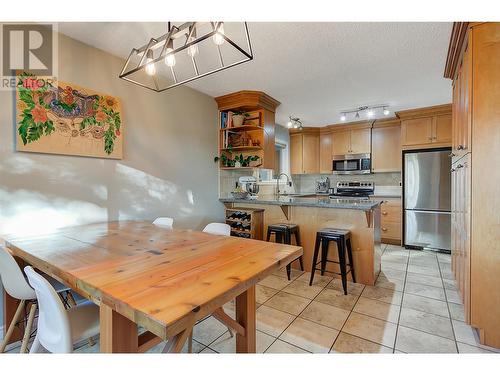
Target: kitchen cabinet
426 127
351 141
390 222
386 146
304 153
472 64
325 153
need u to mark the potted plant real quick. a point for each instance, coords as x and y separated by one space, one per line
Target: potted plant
239 117
226 160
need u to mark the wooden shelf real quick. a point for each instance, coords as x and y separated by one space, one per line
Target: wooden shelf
241 231
258 166
243 148
243 128
255 229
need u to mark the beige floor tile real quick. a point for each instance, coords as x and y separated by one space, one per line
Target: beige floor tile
393 265
453 296
443 258
424 279
423 270
302 289
208 351
326 315
310 336
263 293
424 262
413 341
393 249
465 333
272 321
423 321
197 348
456 311
275 282
346 343
395 258
465 348
425 291
393 274
447 274
378 309
208 330
352 288
425 304
371 329
319 280
281 347
382 294
227 344
450 284
288 303
394 284
293 274
337 298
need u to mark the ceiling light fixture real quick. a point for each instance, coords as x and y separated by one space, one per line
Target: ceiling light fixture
205 44
371 111
294 122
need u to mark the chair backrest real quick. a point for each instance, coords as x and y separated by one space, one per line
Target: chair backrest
12 277
218 228
166 222
53 331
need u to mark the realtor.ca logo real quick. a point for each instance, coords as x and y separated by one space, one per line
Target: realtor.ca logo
29 48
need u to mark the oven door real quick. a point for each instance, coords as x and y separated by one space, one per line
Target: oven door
346 166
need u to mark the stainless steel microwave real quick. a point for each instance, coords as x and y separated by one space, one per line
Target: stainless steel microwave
352 164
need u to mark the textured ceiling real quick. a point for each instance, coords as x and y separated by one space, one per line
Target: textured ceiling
315 69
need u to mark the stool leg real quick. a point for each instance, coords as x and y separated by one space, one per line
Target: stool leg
343 272
351 264
315 259
297 241
324 255
288 241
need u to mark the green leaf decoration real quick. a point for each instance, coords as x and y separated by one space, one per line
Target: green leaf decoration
109 140
49 127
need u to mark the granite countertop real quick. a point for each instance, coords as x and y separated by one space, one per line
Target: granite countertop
326 202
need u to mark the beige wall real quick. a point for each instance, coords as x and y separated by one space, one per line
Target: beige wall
167 169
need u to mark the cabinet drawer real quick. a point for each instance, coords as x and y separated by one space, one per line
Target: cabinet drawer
390 213
390 230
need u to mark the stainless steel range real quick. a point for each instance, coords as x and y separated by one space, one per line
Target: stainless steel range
352 190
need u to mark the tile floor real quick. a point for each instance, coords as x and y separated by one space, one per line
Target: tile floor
413 308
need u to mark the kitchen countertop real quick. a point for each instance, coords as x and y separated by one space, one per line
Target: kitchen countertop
326 202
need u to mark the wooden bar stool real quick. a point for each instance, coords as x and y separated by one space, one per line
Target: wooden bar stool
283 234
342 238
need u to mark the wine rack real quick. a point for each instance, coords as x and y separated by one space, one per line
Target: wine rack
246 222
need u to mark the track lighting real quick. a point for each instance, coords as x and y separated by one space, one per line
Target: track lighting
294 122
371 111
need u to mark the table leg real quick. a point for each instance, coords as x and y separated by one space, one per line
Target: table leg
245 316
118 333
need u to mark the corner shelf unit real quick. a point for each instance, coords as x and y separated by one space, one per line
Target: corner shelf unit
246 222
258 129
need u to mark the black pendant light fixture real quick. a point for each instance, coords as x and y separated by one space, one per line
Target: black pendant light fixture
188 52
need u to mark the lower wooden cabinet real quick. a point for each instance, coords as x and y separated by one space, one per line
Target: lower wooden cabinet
390 223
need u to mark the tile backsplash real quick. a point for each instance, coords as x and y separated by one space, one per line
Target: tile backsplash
306 183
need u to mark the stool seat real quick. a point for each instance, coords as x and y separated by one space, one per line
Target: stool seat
283 234
342 237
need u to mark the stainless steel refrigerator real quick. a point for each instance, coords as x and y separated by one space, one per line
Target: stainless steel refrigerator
427 199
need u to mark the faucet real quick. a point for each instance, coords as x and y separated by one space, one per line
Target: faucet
289 183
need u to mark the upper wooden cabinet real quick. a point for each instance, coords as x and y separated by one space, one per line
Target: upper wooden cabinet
304 152
325 152
428 127
351 140
386 146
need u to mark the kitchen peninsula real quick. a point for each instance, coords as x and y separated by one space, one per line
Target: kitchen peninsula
361 217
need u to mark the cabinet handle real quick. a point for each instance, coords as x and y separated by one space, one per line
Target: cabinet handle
460 147
384 229
384 212
460 166
434 137
453 169
430 138
452 155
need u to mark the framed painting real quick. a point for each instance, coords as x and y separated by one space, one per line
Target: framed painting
66 119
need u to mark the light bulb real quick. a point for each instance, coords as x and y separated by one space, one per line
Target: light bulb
289 124
170 59
343 117
295 126
150 66
369 114
218 37
386 112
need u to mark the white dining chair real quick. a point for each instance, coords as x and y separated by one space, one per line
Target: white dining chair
17 287
218 228
59 329
166 222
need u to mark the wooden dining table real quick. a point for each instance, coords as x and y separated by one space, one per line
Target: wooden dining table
162 280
